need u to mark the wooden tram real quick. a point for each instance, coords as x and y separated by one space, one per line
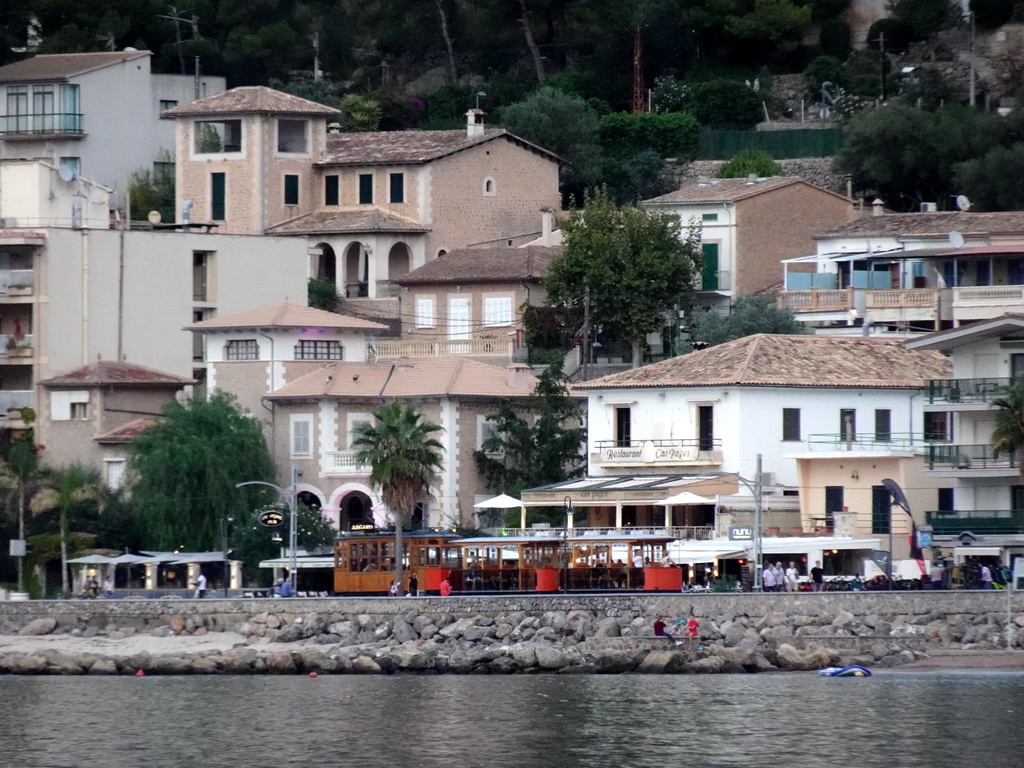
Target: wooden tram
547 561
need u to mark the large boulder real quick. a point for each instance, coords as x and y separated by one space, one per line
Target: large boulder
607 628
171 665
280 663
43 626
654 662
103 666
402 630
364 665
790 658
550 658
710 665
22 664
292 633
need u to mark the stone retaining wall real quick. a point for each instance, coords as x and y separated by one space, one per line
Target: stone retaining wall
522 633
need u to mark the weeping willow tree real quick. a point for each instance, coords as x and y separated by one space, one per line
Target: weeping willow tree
183 470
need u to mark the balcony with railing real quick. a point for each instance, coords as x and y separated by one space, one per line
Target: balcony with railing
986 301
656 453
845 299
14 399
971 458
16 346
817 300
31 124
873 442
344 463
953 522
16 282
442 348
968 391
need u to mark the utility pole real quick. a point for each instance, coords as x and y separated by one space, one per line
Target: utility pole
881 60
586 333
973 93
638 71
757 526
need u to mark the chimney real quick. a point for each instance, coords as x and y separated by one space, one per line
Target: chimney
517 376
547 224
474 123
877 207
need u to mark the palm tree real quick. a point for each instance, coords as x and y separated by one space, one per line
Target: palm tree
1008 434
63 487
17 475
404 460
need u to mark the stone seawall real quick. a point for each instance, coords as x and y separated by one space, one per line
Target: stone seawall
498 634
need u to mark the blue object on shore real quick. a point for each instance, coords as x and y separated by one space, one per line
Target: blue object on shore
853 670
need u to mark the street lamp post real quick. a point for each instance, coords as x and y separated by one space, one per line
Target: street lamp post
290 494
225 520
566 553
755 488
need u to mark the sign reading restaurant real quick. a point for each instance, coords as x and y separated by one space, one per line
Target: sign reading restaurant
648 453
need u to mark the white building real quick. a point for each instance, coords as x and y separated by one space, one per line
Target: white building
98 114
983 512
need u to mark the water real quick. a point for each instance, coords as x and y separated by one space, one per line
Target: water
784 720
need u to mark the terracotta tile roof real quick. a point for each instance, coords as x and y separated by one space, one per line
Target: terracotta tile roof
285 315
361 220
414 378
930 225
126 432
790 361
60 66
114 373
728 190
249 100
485 265
410 147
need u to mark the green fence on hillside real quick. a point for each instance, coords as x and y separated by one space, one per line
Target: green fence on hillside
724 144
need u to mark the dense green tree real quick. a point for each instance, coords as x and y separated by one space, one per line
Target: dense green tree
251 542
1008 433
907 156
535 441
748 161
637 178
152 191
750 314
404 460
323 294
360 114
62 488
19 474
183 470
994 181
563 124
636 264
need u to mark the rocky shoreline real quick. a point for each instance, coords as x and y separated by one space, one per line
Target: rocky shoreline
432 637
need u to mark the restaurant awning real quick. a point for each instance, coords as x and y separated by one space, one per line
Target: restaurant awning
611 490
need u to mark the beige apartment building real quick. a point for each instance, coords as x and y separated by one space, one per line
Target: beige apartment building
373 206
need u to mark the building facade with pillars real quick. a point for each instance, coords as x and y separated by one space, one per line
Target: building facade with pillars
712 413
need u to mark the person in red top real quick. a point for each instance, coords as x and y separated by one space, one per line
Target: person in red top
446 587
692 630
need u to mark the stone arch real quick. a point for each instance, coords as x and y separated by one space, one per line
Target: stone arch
353 503
325 263
357 270
398 261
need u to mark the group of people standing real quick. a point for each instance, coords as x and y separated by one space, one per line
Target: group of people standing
776 579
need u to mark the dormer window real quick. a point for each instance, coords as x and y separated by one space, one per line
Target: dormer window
214 137
291 136
318 350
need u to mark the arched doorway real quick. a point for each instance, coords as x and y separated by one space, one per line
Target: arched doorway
325 264
355 508
398 261
357 271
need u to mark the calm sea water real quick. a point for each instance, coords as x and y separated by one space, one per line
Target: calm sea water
779 720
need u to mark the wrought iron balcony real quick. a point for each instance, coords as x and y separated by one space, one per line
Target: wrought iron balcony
965 390
953 522
865 441
970 457
33 124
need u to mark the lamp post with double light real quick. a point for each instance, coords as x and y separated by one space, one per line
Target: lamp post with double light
225 521
566 553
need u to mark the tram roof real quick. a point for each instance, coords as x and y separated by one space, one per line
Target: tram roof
553 536
386 534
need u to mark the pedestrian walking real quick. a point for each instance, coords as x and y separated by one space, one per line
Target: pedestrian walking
792 577
414 586
768 582
200 585
817 576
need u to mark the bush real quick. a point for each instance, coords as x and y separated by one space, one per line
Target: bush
824 69
836 38
624 135
748 161
718 102
989 14
640 177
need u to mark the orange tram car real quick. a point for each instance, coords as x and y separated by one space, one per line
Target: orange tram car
549 560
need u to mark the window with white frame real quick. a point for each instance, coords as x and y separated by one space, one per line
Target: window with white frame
301 436
425 313
68 405
486 429
115 473
497 310
242 349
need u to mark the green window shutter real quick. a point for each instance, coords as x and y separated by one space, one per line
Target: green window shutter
709 274
217 189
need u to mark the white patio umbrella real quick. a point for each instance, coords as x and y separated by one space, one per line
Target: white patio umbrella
92 560
504 501
685 497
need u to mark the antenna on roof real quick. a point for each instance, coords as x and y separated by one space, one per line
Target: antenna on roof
956 239
963 203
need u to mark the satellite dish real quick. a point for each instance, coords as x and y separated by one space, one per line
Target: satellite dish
956 239
65 173
154 217
963 203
